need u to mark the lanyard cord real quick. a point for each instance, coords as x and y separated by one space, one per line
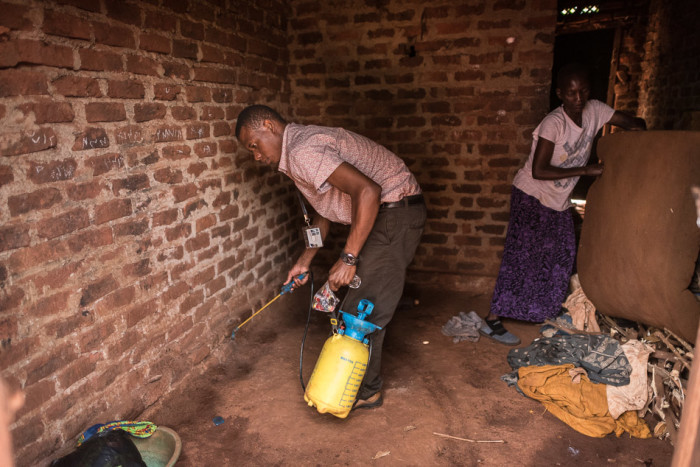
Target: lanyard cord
307 219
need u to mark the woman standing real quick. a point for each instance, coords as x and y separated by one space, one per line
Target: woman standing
540 245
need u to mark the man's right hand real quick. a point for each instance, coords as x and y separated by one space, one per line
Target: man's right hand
295 272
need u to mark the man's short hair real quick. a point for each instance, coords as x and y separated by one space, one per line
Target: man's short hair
572 70
253 117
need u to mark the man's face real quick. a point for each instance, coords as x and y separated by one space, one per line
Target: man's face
574 95
264 142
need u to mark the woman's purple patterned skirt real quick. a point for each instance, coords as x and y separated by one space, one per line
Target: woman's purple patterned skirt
537 261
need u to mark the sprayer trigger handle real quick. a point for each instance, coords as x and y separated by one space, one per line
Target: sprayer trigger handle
286 288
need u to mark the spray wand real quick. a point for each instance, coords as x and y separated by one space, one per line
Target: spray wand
286 288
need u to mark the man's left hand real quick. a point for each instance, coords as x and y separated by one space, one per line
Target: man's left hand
340 275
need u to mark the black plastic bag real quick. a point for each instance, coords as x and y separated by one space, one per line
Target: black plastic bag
109 449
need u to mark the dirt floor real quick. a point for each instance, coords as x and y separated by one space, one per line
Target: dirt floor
431 385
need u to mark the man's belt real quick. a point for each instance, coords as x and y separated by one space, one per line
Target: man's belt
406 201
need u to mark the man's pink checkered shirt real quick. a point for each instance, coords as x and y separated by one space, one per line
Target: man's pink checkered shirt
311 153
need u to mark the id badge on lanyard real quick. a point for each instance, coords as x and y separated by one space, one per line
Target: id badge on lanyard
312 233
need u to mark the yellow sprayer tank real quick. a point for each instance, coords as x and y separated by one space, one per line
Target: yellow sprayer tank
341 366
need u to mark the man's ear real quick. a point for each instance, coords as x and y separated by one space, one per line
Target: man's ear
271 125
558 93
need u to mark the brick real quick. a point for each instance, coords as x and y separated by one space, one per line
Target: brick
176 70
166 92
138 269
148 111
15 16
181 112
176 152
130 184
94 337
53 171
100 60
90 238
117 36
83 191
185 49
131 228
174 292
8 329
168 134
191 301
129 135
50 306
77 86
203 276
470 75
97 290
197 169
36 53
34 201
105 112
141 65
155 43
49 112
197 94
22 83
198 130
163 21
205 149
37 394
88 5
91 138
140 312
183 192
214 75
77 370
6 175
63 224
13 237
165 217
125 12
192 30
125 89
61 24
34 141
168 175
193 206
115 300
212 54
111 210
212 113
221 129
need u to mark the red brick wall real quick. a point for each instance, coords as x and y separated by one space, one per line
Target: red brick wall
133 233
670 94
454 88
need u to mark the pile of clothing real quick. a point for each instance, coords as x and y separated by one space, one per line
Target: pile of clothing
587 379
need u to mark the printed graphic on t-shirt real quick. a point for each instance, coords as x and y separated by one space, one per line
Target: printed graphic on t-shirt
578 154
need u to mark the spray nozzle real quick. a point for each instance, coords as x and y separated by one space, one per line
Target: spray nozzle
288 287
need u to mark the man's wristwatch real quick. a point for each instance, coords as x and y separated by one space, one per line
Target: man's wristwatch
348 258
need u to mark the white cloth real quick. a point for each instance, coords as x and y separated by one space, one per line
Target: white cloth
572 148
632 396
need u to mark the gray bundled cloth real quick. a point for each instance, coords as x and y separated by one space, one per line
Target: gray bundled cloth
464 326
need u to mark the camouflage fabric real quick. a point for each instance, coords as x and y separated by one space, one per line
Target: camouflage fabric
601 356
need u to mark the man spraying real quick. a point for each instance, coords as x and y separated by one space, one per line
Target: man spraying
349 179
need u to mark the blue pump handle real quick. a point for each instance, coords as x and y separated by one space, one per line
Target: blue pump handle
288 286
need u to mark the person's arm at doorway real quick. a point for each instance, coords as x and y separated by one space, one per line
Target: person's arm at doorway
628 122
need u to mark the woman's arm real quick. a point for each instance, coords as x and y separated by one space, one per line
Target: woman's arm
542 169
